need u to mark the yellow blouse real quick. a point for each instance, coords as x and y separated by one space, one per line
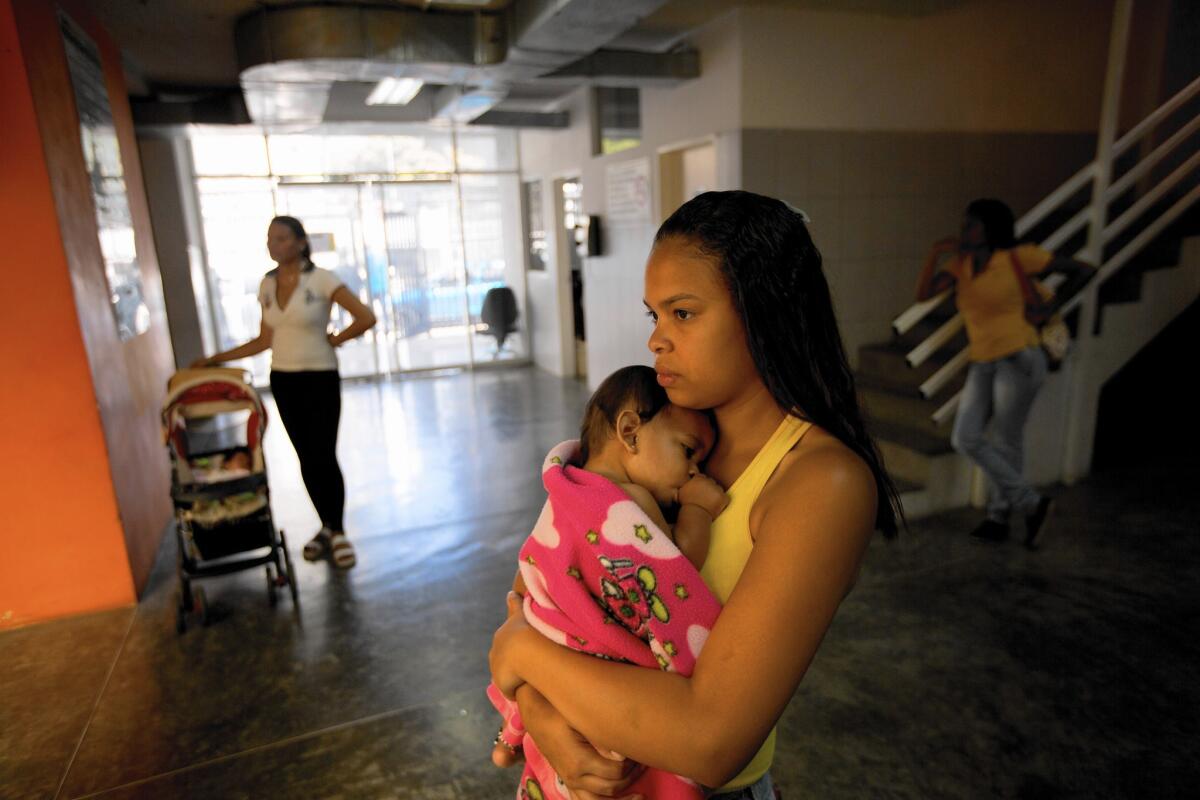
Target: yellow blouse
992 304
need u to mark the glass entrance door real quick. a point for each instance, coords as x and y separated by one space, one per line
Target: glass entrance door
426 301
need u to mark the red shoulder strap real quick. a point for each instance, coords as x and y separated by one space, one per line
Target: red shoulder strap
1031 297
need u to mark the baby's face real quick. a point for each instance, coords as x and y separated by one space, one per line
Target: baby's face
670 448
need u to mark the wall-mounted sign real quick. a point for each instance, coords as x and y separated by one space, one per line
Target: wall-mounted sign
321 243
102 155
628 185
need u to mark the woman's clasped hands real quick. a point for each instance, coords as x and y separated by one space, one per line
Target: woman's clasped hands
588 771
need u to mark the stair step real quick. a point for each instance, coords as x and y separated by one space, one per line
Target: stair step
1124 287
903 409
883 365
918 440
928 326
907 386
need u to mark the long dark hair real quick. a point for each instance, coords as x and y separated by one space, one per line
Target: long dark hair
999 225
773 272
297 229
635 386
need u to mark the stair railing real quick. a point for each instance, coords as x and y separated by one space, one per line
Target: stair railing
1054 201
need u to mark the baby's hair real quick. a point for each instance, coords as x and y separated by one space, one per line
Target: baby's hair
635 387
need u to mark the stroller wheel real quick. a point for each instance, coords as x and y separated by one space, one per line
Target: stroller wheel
291 572
272 592
200 605
180 618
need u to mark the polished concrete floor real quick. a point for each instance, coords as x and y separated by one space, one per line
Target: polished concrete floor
955 670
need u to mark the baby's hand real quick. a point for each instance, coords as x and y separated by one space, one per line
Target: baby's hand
703 491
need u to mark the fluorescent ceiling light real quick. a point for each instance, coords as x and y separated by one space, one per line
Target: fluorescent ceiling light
394 91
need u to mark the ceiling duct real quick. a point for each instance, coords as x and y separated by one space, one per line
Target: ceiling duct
292 56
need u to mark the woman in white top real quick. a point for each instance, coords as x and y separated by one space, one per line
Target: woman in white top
296 299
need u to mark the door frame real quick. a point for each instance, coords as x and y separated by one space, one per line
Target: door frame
562 273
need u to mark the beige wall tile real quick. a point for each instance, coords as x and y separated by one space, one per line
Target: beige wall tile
760 162
824 151
825 221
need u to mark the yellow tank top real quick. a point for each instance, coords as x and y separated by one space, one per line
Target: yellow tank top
730 545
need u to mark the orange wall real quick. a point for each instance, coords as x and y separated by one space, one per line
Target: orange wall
80 527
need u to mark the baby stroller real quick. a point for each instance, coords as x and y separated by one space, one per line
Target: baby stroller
213 422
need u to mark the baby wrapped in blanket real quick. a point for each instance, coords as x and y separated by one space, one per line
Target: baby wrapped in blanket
603 571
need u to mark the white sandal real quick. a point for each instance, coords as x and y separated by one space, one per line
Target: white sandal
317 547
341 552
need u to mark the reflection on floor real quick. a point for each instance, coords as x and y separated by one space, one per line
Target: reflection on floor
955 669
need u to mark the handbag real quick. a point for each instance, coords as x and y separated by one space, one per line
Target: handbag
1053 334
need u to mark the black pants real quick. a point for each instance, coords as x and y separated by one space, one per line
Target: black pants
310 404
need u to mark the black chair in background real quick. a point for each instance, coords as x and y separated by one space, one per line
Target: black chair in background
499 314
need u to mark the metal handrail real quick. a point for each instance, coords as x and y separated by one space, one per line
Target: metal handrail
1068 229
934 383
947 408
1053 200
1114 228
1148 162
1154 117
943 334
917 312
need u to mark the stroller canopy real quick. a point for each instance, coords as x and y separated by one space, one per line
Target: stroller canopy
202 393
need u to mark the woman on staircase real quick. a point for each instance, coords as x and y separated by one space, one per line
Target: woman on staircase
1007 364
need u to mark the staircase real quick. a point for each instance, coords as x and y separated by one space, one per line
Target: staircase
928 473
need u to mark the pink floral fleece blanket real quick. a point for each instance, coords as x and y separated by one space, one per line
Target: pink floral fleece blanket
603 579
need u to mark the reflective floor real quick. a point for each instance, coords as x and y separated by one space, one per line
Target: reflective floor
955 669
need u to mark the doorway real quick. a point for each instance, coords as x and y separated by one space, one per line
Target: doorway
685 171
570 201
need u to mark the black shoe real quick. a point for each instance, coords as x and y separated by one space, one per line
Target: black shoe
991 531
1035 523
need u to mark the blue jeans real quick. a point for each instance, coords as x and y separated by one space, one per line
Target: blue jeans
1003 391
761 789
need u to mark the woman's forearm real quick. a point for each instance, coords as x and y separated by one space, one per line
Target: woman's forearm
931 281
357 328
1078 274
250 348
925 279
928 280
653 717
